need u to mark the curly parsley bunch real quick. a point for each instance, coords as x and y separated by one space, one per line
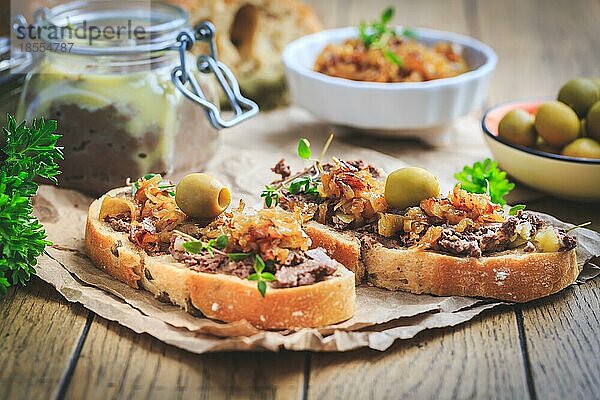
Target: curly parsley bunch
26 153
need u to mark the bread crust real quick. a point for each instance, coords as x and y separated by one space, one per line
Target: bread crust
228 298
219 296
110 250
512 276
342 246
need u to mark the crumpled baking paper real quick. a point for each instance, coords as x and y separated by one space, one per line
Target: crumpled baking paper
382 316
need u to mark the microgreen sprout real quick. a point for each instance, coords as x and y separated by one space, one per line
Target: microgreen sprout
211 246
377 35
514 210
260 275
578 226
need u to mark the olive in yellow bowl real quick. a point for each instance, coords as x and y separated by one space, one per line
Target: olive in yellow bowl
542 166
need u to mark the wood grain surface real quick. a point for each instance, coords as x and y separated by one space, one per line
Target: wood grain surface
547 349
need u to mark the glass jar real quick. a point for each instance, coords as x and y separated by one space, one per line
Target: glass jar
14 66
130 105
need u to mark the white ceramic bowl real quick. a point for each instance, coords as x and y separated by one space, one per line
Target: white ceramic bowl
568 177
387 106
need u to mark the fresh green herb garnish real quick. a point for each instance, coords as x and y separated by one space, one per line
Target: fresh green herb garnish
392 57
304 149
485 177
377 34
238 256
198 246
304 184
135 186
300 182
271 195
514 210
27 153
260 276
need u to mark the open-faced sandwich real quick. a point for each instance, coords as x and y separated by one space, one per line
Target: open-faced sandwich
180 244
399 233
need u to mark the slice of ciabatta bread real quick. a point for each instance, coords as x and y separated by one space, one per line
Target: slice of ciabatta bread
219 296
512 275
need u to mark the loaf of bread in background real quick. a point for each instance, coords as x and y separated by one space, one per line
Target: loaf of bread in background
251 35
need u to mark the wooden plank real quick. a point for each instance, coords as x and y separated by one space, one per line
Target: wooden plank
115 362
561 332
39 332
480 359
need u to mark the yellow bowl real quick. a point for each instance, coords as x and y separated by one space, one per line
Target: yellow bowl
567 177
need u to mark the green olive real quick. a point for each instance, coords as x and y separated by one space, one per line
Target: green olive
596 82
592 122
582 129
583 148
406 187
541 144
579 94
202 196
557 123
517 127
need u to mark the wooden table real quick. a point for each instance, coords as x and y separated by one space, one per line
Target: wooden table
546 349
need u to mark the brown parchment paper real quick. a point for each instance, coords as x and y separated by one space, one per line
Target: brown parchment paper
243 162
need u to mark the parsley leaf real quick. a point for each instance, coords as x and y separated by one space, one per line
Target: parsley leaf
485 177
27 153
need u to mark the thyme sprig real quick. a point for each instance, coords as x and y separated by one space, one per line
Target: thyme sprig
260 276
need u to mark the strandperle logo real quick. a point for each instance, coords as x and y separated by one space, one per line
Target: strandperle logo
82 32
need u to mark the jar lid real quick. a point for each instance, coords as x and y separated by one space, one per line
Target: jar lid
14 63
112 27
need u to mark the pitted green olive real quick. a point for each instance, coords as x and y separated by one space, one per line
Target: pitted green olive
517 127
202 196
557 123
583 148
592 121
579 94
406 187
